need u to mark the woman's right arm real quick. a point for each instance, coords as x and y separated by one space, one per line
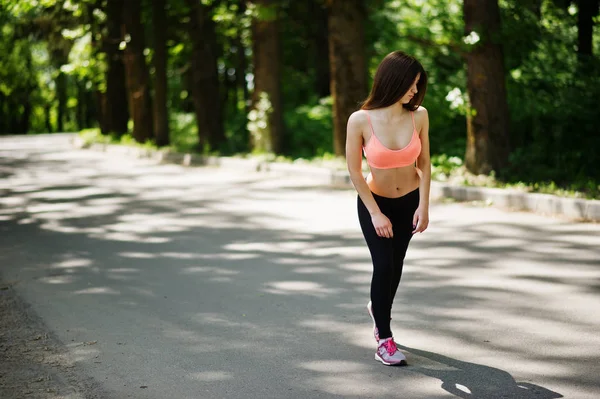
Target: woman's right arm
354 142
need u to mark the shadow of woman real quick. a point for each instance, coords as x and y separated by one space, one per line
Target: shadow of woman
474 381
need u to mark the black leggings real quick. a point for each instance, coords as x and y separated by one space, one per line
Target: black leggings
388 253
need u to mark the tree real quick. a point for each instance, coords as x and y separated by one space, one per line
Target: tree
488 120
115 110
347 61
136 72
587 10
321 59
204 75
59 48
266 98
161 113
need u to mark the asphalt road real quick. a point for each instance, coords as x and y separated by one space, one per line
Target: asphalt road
172 282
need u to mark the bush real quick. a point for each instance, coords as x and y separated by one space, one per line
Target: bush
309 129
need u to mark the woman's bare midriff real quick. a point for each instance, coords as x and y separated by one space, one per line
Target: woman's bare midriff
393 183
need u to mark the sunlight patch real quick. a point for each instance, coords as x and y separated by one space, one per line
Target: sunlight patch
334 366
69 263
463 388
299 287
98 290
211 376
57 279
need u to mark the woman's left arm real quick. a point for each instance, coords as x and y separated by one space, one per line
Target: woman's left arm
421 217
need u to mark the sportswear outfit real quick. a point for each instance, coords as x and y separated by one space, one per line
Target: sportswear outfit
388 254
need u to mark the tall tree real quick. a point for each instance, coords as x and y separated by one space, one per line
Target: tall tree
488 125
587 10
205 78
347 62
136 71
241 62
320 38
115 110
266 51
59 49
161 113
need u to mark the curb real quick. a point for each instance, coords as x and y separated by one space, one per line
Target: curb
544 204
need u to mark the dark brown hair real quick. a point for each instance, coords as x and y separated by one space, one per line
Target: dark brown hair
394 77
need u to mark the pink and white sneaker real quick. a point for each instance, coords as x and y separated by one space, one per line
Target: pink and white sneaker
388 353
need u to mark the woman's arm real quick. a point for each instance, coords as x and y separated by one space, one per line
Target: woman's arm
421 218
354 142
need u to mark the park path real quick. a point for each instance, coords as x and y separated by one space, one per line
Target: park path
165 281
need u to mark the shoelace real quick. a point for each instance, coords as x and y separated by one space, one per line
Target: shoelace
390 347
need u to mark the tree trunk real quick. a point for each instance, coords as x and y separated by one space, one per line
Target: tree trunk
24 123
3 128
116 117
61 97
161 113
487 130
80 109
205 78
136 72
588 9
347 62
100 99
47 118
241 65
267 78
321 61
91 111
13 117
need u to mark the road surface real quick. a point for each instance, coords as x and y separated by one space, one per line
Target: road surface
164 281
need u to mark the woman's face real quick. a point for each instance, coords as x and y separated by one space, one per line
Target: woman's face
411 92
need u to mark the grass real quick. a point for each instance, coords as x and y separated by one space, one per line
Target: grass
443 168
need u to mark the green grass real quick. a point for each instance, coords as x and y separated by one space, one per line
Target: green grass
443 168
452 170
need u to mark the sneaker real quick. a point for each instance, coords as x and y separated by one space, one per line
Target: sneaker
388 353
375 329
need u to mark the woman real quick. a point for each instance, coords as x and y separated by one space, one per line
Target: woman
393 202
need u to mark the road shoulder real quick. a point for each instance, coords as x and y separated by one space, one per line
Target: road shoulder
34 363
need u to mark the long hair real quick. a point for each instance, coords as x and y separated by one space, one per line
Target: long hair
394 77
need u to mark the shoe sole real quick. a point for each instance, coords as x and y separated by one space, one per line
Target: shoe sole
399 364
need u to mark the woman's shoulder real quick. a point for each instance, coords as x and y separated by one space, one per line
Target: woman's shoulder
358 120
421 110
360 116
421 114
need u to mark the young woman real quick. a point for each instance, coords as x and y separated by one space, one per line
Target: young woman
393 202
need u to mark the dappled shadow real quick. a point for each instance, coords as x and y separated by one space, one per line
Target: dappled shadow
474 381
237 285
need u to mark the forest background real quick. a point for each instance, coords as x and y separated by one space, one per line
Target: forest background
513 85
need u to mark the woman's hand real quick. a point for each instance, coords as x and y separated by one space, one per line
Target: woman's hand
420 220
382 225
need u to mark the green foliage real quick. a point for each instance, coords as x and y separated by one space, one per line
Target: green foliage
442 166
184 132
309 129
258 122
552 103
551 91
94 136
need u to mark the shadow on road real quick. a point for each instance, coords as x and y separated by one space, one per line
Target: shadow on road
474 381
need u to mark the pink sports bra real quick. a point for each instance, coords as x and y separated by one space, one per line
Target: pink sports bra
380 157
